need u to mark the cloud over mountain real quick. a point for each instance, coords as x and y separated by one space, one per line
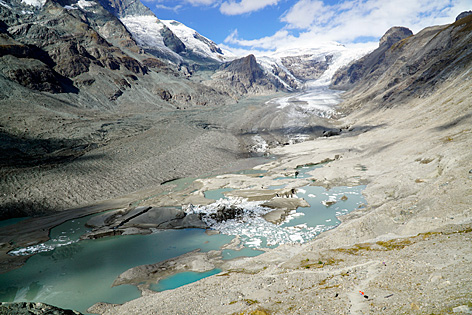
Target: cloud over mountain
244 6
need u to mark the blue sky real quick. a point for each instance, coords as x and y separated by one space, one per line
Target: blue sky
273 24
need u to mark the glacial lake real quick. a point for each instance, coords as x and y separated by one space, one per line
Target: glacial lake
75 275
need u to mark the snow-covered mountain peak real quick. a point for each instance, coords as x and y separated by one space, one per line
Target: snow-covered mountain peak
149 33
194 42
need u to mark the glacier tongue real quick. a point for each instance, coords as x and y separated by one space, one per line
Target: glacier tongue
309 67
316 97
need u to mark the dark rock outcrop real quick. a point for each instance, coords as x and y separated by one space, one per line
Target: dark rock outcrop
244 76
463 15
30 73
121 8
394 35
172 41
30 308
56 45
247 69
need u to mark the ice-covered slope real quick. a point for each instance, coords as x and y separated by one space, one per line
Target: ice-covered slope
295 67
195 43
171 39
152 35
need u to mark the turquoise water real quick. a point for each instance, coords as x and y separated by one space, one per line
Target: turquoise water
181 279
250 172
216 194
75 275
245 252
302 171
318 213
78 275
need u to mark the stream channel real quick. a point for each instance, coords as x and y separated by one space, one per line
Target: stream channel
74 274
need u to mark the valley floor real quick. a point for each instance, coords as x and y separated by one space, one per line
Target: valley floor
409 251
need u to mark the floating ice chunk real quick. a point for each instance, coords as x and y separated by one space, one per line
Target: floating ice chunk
40 248
254 242
34 3
301 191
260 145
296 238
311 196
331 201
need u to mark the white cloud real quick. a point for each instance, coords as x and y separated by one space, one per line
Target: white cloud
182 2
202 2
164 7
351 20
265 43
232 7
306 13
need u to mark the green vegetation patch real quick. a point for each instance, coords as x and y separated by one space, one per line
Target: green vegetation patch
320 263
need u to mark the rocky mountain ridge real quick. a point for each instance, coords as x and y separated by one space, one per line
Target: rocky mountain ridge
243 76
406 65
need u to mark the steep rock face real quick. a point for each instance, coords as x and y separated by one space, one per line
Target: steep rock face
243 76
463 15
171 40
347 77
63 39
31 73
246 68
19 63
121 8
411 67
132 12
394 35
305 68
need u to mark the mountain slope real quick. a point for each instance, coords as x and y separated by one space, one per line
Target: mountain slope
197 46
168 39
243 76
409 66
74 88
